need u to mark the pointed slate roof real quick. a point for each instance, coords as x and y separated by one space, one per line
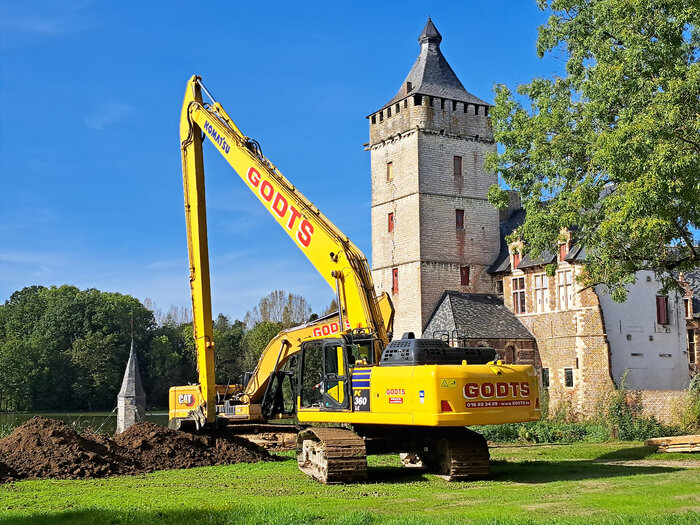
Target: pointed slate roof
131 384
431 75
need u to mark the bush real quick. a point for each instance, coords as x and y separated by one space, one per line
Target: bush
689 415
626 419
545 431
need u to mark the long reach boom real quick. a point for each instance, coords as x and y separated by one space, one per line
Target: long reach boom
337 259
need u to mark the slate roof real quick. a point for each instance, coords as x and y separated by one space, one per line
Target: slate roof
475 316
502 262
693 279
131 384
528 261
431 75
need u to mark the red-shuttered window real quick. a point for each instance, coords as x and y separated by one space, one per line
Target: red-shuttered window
661 309
464 275
391 222
459 219
395 280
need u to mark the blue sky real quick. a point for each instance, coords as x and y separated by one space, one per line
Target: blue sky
90 96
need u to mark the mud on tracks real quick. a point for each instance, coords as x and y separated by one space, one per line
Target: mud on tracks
47 448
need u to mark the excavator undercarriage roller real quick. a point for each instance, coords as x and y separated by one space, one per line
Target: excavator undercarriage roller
455 454
461 455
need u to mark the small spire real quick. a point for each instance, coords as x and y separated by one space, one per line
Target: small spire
131 384
430 33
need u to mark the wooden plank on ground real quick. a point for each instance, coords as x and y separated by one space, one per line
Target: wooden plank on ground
675 443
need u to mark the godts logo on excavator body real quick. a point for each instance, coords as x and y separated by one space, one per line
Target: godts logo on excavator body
280 206
330 328
493 394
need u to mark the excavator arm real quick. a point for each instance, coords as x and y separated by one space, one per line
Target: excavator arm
337 259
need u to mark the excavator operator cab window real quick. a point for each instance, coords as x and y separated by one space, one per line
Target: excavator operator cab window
323 379
311 377
360 353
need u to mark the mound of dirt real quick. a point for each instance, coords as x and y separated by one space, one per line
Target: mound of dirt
6 473
47 448
159 448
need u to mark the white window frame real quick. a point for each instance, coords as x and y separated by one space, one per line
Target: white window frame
565 289
519 305
541 288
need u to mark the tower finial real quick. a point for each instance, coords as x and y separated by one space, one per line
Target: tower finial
430 33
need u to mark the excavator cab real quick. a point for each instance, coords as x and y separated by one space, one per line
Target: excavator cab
323 376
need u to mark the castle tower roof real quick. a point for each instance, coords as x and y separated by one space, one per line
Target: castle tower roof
431 75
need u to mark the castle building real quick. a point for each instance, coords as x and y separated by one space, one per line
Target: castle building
587 343
432 227
439 249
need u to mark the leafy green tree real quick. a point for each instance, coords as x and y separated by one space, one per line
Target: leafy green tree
254 342
229 354
62 348
169 362
611 148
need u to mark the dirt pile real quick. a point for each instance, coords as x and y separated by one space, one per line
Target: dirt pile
160 448
47 448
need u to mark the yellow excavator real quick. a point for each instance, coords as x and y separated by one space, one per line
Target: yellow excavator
373 395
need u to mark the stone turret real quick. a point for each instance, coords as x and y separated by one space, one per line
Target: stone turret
432 227
131 401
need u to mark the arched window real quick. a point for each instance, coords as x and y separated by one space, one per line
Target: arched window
510 355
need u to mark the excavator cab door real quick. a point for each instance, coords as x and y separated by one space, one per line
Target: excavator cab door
323 380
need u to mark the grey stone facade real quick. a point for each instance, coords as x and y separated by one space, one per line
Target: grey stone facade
430 121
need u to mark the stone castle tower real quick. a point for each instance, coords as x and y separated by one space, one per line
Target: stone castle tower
432 227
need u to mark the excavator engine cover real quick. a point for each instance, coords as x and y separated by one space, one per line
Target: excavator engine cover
411 352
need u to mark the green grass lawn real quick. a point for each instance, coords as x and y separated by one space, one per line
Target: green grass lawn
611 483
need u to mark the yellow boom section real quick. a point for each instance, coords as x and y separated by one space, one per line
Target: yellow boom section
337 259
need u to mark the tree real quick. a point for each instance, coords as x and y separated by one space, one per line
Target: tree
229 353
254 342
611 150
62 348
332 308
278 306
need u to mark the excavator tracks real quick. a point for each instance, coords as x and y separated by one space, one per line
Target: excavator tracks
332 455
458 455
461 457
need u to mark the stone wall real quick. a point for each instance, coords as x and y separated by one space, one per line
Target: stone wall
664 405
420 142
